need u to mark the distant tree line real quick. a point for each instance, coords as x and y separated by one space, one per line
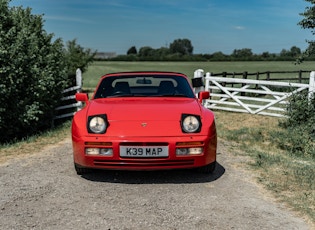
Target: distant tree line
182 50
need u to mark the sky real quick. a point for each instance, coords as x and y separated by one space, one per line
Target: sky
210 25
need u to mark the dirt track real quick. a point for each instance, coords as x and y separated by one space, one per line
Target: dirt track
44 192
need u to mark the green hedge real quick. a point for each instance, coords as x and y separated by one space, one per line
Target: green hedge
32 73
299 135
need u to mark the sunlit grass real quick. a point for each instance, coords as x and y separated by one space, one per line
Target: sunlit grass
34 144
99 68
291 178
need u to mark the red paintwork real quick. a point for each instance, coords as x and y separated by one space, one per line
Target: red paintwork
162 116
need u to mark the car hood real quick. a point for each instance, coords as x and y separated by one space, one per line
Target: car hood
144 109
143 116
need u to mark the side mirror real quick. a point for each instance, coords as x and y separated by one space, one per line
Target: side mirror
202 95
82 97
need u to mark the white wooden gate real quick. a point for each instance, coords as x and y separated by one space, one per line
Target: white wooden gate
70 99
251 96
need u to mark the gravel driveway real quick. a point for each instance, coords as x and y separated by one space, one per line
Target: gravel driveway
43 192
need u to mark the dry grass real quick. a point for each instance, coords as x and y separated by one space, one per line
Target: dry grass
290 178
34 144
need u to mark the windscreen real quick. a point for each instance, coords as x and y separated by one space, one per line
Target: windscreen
144 86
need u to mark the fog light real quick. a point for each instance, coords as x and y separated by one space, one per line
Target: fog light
181 151
189 151
106 152
99 151
195 151
92 151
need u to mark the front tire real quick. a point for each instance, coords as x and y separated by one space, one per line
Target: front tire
207 169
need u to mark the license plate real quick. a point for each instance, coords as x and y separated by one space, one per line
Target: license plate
143 151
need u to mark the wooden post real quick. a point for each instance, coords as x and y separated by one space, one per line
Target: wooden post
224 74
300 76
268 76
257 78
245 74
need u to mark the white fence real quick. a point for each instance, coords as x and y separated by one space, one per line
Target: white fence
250 96
69 99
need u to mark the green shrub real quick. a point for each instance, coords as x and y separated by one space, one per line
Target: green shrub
299 135
32 73
75 57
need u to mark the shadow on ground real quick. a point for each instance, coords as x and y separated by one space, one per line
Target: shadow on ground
155 177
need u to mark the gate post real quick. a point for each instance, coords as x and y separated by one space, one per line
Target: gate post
311 89
78 79
198 81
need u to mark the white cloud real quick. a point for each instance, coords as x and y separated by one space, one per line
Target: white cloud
239 27
68 19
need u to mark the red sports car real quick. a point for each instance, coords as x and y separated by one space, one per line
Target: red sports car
144 121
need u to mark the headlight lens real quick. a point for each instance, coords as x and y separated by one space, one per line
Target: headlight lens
97 124
191 123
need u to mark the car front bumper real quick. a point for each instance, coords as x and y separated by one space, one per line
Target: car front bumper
172 161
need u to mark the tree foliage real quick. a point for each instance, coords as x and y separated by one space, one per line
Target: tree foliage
146 51
242 54
132 50
75 56
32 73
294 52
308 22
181 46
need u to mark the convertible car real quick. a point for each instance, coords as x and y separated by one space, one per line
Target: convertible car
144 121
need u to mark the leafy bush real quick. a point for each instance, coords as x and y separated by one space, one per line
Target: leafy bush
76 57
32 73
299 136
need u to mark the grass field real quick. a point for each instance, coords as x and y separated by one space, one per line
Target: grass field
97 69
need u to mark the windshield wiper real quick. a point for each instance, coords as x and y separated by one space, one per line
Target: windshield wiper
171 95
120 95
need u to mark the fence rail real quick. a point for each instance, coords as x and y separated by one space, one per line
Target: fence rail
298 76
262 97
69 105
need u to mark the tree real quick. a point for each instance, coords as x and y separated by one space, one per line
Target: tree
309 17
308 22
132 50
265 55
242 53
295 51
146 51
285 53
162 52
32 73
181 46
219 56
77 57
